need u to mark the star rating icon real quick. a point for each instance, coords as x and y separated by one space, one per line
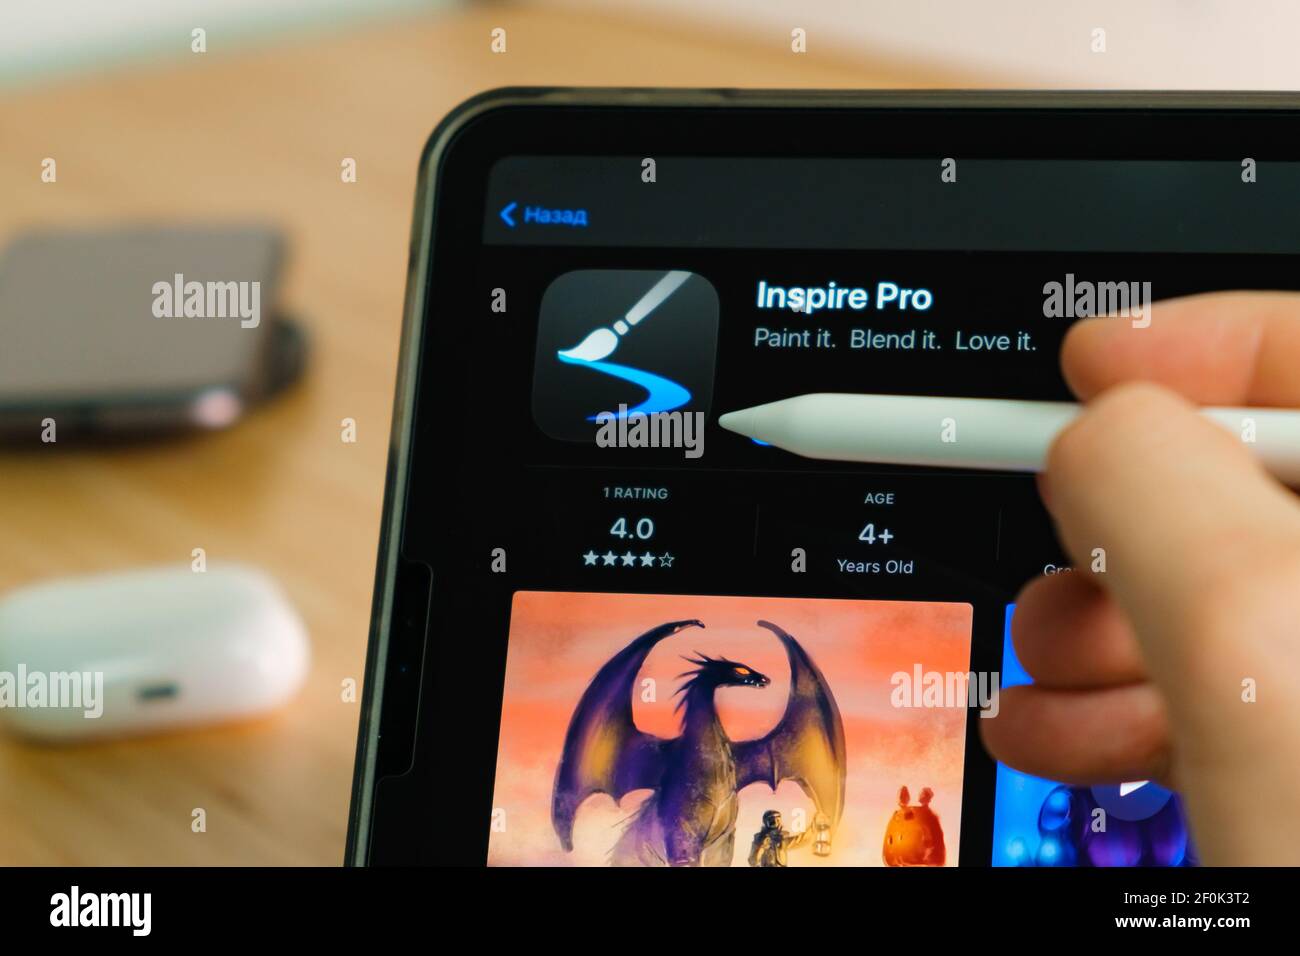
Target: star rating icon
627 559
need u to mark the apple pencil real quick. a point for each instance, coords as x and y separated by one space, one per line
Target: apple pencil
600 343
1001 434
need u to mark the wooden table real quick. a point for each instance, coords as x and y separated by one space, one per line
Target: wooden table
261 134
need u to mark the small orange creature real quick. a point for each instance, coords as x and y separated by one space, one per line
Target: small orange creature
914 836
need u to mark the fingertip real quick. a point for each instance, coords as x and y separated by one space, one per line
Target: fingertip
997 730
1082 737
1070 634
1211 348
1083 356
1044 489
1028 602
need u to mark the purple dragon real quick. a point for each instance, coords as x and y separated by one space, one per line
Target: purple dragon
690 820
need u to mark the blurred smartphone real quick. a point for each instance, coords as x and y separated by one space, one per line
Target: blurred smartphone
141 330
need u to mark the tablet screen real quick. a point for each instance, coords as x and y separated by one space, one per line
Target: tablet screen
653 641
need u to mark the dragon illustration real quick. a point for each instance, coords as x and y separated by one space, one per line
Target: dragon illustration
690 819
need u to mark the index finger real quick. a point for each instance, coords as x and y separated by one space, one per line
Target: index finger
1222 348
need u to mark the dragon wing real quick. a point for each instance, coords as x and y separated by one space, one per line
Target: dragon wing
603 750
807 745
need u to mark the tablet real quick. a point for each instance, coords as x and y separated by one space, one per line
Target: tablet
608 631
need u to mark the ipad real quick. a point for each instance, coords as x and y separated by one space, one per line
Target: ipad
608 631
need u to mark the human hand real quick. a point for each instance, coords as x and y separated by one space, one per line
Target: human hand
1143 671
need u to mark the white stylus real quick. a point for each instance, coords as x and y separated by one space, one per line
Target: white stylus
1001 434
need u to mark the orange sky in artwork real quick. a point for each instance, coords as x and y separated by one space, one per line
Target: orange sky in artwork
559 640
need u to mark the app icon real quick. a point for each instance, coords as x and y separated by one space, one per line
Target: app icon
642 340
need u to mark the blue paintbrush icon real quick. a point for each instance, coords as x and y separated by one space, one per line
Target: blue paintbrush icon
662 394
